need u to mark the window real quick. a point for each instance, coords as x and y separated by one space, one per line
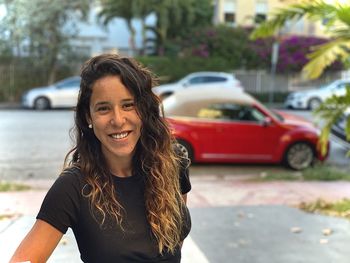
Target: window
230 12
230 111
69 83
206 79
260 11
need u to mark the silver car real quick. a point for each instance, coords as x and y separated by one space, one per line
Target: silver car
200 79
62 94
311 99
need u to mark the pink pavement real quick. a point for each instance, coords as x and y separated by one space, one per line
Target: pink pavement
207 191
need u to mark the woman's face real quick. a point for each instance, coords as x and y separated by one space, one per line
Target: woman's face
114 118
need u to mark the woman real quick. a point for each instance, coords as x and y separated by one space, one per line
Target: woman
123 192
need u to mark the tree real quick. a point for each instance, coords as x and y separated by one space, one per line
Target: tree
128 10
336 19
44 30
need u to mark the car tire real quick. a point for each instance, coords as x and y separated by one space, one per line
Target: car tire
186 149
165 95
41 103
299 156
314 103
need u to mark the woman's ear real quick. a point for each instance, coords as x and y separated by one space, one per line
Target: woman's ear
89 121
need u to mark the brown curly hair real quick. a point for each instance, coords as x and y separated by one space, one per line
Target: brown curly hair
155 154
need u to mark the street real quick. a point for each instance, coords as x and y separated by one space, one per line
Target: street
234 220
33 146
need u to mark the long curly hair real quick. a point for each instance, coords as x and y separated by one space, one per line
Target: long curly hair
154 157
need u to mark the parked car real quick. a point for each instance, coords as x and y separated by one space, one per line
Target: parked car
199 80
312 98
222 125
63 94
338 130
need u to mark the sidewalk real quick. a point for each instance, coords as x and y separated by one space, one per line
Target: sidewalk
233 219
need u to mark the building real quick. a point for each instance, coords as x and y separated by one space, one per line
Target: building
251 12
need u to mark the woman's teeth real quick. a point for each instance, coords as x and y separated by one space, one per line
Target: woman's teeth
119 135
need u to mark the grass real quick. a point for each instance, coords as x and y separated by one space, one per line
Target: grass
340 208
7 186
317 173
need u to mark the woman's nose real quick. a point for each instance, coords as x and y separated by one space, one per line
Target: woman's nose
118 118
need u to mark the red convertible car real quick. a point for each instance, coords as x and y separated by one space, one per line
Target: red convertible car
222 125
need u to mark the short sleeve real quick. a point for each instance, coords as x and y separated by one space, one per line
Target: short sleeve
61 204
185 183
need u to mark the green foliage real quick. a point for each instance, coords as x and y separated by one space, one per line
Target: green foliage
43 28
336 18
317 173
329 112
19 75
339 208
8 186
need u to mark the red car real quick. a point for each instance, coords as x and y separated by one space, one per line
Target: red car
222 125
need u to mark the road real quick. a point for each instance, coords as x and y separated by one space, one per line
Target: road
33 145
234 220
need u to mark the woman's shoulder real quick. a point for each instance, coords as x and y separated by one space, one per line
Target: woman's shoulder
71 175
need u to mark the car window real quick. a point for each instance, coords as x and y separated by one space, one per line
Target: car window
206 79
196 80
229 111
68 83
210 79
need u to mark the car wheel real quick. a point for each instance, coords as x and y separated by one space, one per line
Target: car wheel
185 149
299 156
164 95
314 103
41 103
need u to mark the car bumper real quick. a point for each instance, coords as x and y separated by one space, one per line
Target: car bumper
295 104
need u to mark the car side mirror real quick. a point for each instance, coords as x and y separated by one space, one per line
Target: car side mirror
267 121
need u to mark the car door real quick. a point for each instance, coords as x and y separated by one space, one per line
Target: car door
66 94
239 134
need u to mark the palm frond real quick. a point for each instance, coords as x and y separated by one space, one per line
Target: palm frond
324 55
317 10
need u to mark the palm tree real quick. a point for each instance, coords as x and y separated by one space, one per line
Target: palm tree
336 19
127 10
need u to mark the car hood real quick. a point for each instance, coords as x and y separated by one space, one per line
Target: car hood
41 89
296 121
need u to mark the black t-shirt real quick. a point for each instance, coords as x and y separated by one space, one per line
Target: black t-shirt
65 206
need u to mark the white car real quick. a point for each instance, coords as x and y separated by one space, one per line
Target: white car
63 94
311 99
200 80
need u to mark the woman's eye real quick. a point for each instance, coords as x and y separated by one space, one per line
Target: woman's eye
103 108
129 106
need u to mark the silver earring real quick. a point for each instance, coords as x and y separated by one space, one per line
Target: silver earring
90 126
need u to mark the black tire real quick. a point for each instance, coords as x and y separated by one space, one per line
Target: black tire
314 103
299 156
165 95
186 149
41 103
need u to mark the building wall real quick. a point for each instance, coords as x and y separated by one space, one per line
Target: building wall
246 10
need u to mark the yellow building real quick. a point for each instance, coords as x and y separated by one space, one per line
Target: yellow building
250 12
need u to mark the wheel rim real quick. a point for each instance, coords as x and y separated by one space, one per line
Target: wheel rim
41 104
183 150
314 104
300 156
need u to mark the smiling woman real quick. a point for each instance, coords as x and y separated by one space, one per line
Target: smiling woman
123 191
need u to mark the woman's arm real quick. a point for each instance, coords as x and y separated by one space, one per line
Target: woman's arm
38 244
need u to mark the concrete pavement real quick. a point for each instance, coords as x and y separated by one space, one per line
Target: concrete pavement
234 220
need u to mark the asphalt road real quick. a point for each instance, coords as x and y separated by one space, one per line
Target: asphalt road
33 145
